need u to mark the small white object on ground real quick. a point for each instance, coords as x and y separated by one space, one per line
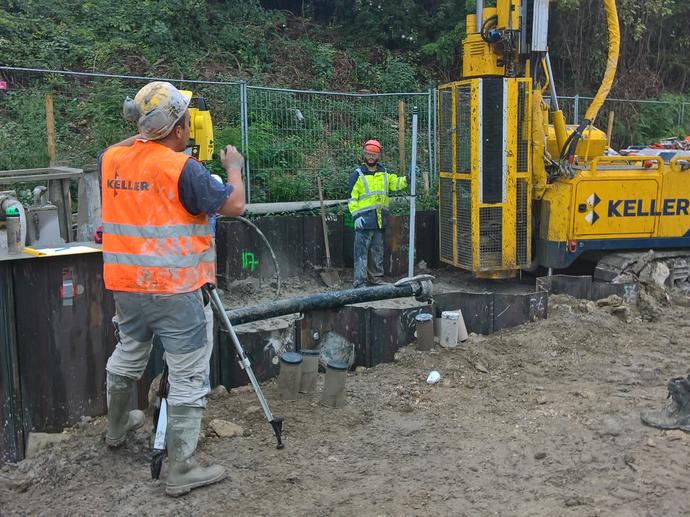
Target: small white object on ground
433 377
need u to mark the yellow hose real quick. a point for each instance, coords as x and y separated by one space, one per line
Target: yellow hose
611 62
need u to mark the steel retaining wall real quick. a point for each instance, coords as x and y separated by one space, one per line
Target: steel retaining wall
56 337
298 244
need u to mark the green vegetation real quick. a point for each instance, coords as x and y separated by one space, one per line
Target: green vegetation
334 45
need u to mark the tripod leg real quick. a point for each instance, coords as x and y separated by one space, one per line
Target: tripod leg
160 424
275 421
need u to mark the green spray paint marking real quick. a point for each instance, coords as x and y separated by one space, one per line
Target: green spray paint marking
249 261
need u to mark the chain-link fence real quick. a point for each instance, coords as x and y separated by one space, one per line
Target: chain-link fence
87 110
289 137
635 121
295 136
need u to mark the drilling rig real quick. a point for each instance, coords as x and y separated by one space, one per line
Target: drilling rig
519 188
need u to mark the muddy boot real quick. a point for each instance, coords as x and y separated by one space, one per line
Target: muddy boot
676 414
120 419
184 423
376 280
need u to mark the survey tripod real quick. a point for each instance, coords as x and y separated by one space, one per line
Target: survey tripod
161 413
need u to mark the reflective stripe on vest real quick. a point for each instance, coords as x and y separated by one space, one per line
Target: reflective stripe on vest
157 232
371 200
150 242
363 179
169 261
370 208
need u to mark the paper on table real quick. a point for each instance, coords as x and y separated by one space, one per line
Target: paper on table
51 252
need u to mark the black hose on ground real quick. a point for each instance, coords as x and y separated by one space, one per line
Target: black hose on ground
420 289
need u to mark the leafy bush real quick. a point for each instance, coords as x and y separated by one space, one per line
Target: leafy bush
662 120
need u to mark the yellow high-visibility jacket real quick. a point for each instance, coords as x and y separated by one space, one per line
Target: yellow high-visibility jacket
369 194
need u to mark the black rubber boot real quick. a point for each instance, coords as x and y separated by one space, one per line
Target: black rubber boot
676 414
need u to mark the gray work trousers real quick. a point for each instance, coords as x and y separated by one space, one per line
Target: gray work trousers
185 329
368 253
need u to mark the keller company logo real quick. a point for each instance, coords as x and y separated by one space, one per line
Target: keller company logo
592 201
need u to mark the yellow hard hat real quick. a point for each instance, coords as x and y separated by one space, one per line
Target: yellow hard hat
156 108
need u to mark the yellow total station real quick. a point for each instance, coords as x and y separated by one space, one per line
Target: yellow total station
201 128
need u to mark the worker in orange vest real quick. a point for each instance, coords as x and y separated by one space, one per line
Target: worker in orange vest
158 252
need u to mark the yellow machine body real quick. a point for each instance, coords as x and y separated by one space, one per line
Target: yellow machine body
612 204
592 144
478 58
200 128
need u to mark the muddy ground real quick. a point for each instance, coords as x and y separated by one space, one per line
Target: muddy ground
542 419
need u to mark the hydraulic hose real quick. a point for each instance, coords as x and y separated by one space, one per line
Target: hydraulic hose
611 62
556 113
482 31
546 75
568 149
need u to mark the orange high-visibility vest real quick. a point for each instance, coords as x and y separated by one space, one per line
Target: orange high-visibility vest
150 242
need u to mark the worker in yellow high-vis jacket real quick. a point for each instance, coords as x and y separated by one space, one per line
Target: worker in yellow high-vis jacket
370 184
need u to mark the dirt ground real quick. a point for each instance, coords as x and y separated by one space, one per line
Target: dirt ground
542 419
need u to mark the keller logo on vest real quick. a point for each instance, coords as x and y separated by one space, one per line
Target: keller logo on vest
118 184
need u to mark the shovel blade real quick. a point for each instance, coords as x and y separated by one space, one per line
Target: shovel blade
330 277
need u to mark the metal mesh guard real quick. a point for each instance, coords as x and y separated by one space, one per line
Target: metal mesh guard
462 124
464 227
445 219
522 128
521 233
446 130
490 237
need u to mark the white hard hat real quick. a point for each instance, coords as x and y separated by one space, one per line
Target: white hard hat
156 108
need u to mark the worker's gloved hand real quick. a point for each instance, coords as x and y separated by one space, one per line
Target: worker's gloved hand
217 178
359 223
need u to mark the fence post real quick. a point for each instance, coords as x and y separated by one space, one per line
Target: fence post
434 142
244 138
681 114
429 128
576 108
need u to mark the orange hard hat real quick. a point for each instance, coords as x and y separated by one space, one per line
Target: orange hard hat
372 146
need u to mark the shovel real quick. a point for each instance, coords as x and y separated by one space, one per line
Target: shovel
329 276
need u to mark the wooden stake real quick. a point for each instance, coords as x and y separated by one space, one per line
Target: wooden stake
50 124
609 130
401 135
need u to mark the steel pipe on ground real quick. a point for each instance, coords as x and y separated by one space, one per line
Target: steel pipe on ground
330 300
